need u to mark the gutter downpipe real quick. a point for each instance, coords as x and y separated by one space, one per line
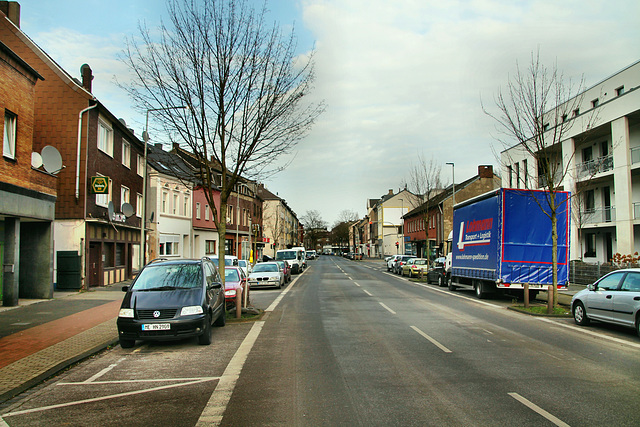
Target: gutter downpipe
79 147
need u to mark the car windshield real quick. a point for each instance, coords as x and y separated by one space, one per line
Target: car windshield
227 261
420 262
242 263
286 255
231 275
169 277
265 267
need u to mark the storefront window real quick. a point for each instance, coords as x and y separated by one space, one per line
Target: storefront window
108 255
120 254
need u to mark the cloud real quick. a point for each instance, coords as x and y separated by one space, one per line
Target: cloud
407 77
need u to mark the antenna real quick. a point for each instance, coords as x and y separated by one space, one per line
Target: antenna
111 210
127 210
36 160
51 159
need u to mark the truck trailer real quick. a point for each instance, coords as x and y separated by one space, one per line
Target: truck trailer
502 240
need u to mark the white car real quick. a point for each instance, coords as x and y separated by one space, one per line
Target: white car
615 298
266 274
245 266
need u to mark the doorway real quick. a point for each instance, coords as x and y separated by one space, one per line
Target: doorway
95 262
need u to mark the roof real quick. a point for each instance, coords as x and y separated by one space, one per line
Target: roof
4 48
442 196
169 164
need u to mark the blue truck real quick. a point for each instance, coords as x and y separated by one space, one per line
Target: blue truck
502 240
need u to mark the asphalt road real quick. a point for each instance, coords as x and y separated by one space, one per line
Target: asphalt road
349 344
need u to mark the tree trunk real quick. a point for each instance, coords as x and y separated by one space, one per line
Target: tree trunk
552 299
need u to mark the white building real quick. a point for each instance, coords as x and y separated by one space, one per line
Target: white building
603 164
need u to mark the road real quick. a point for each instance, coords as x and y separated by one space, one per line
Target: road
350 344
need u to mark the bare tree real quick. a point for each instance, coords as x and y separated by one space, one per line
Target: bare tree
242 85
314 227
347 215
425 181
535 111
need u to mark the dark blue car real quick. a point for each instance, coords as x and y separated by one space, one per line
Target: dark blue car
170 300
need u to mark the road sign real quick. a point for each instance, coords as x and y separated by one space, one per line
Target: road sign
99 185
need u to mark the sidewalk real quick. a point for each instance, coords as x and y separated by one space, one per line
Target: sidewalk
41 337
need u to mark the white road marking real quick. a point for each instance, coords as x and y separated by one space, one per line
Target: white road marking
458 296
433 341
588 332
538 409
150 380
388 309
104 371
214 410
356 283
98 399
367 292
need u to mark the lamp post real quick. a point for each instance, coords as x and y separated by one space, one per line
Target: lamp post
453 173
143 219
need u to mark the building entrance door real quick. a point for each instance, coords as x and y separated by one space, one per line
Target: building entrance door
95 262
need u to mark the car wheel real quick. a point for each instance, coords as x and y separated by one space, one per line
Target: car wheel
580 314
440 281
205 337
222 319
125 343
638 324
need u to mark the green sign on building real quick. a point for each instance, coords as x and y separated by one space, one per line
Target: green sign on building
99 185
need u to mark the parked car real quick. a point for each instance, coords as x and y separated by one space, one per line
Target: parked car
615 298
245 266
399 262
172 299
286 269
295 257
266 274
357 256
414 266
234 279
229 260
437 273
391 262
311 254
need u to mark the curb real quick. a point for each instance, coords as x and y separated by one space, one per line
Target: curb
522 310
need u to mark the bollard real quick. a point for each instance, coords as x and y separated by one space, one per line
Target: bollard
238 303
526 295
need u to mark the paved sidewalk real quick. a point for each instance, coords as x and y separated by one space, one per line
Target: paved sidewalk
41 337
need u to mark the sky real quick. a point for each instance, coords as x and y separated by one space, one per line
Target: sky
400 79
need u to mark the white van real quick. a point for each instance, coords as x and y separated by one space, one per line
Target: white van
304 256
228 260
295 258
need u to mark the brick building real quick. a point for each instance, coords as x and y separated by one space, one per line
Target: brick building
104 245
428 226
27 193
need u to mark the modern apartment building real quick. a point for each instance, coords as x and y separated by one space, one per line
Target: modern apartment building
601 153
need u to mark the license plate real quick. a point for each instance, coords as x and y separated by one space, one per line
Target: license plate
156 327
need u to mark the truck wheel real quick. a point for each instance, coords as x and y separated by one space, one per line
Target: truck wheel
452 287
480 289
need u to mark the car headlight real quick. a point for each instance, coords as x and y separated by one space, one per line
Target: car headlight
230 293
126 312
188 311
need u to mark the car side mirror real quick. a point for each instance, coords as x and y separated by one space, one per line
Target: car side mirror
125 289
591 287
216 285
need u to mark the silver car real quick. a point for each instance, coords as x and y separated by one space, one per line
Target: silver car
615 298
266 274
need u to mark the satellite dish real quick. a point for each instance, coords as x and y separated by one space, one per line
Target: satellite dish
36 160
111 211
51 159
127 209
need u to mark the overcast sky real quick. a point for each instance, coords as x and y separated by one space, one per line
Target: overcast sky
399 78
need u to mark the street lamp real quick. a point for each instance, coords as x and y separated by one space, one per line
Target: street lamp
145 137
453 173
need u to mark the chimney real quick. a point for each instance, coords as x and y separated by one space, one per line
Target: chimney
391 192
485 171
12 10
87 77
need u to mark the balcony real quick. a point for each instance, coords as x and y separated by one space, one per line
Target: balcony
635 155
593 167
636 210
596 216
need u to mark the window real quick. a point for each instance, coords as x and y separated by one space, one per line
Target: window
105 137
590 243
230 215
126 154
589 201
631 282
206 212
517 175
525 173
107 256
165 197
9 139
104 199
510 172
124 196
198 210
595 103
611 281
138 205
140 165
169 244
620 91
120 254
210 247
185 207
174 206
576 112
